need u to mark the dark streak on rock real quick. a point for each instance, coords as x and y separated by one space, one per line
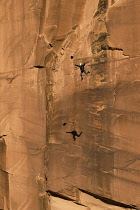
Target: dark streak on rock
80 204
102 7
59 195
39 67
5 171
2 136
109 201
50 45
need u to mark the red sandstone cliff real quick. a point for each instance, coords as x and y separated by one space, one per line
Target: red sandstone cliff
42 167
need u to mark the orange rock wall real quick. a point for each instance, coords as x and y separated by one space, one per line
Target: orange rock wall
42 167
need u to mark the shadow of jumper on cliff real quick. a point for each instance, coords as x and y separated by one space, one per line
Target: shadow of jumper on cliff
74 134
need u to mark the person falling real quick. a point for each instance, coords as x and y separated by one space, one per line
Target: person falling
82 69
74 133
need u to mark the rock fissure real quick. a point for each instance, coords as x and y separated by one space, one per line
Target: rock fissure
110 201
59 195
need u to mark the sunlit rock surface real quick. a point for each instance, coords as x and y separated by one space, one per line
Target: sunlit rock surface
43 99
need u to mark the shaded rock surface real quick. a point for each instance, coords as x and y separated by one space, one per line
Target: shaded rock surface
43 100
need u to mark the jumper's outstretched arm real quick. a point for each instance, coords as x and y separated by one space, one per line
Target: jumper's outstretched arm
79 134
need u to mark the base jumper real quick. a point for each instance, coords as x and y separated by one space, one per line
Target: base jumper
74 133
82 69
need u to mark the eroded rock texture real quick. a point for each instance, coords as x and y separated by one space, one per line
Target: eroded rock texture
43 102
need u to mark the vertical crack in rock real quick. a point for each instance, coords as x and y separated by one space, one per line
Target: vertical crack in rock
4 177
102 7
99 47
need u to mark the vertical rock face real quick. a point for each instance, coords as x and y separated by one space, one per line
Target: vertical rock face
71 143
22 103
104 160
